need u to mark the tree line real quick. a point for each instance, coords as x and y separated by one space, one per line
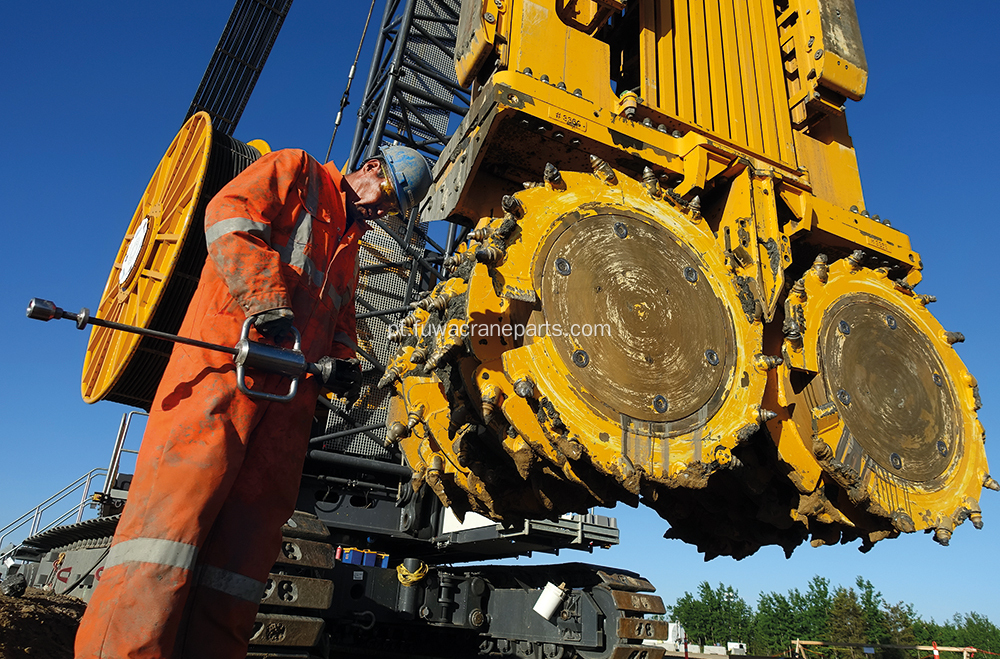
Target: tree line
857 615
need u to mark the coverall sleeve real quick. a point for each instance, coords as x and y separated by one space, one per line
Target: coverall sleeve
238 226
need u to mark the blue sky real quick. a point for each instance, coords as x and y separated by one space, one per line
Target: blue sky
94 92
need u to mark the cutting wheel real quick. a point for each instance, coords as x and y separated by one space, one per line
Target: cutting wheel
891 405
629 360
159 263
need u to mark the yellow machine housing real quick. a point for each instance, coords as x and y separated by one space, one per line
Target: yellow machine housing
680 172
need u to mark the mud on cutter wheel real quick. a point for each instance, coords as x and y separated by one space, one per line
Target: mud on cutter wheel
692 404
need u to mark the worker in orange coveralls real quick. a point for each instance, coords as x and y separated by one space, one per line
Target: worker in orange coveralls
218 472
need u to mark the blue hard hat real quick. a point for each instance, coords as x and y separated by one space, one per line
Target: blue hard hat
411 175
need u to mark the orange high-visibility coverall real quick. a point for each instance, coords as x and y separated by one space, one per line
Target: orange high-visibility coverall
218 472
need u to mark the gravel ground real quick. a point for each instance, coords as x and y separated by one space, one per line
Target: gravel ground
39 624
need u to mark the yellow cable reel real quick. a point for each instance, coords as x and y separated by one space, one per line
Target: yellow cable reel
158 264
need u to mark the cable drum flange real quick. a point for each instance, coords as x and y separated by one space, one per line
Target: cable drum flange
159 263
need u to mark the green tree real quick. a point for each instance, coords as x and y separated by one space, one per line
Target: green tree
774 625
714 616
847 621
871 608
813 609
899 620
977 631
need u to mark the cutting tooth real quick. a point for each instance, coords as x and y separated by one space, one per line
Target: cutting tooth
391 375
419 355
820 268
440 303
976 517
954 337
491 398
855 260
414 416
552 174
444 354
603 170
925 299
480 234
765 415
991 484
767 362
942 536
512 205
489 254
524 387
695 207
651 184
903 522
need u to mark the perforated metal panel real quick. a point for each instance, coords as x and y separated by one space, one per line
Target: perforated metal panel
382 286
411 98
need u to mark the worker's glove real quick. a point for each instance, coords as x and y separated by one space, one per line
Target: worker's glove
275 324
341 376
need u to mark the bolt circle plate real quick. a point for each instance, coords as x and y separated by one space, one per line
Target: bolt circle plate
894 407
656 344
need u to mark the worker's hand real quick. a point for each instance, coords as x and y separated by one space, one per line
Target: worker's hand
275 324
341 376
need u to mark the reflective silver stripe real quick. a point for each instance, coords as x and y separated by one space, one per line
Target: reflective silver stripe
342 337
153 550
231 583
294 252
260 229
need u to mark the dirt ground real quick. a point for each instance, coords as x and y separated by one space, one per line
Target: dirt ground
38 625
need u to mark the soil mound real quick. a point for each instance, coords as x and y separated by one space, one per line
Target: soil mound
39 624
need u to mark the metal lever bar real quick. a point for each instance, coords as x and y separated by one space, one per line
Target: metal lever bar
39 309
246 353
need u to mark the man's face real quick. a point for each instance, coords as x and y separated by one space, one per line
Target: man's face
375 195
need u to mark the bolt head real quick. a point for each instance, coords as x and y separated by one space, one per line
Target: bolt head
581 358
